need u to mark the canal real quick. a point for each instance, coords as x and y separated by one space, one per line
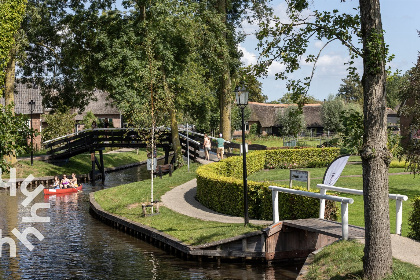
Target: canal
77 246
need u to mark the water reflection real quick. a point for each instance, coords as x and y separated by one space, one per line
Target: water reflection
77 246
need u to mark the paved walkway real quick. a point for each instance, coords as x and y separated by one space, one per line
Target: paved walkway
182 200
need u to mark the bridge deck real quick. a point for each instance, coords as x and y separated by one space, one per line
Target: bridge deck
326 227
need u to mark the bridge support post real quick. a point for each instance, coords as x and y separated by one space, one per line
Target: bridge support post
166 148
101 167
92 177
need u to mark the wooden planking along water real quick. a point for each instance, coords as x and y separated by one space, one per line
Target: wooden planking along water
330 228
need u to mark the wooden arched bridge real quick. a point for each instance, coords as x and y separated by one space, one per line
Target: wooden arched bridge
97 139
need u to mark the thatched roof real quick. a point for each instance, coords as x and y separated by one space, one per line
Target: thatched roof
103 105
264 113
267 114
24 93
313 115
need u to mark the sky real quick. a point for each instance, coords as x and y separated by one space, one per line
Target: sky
400 21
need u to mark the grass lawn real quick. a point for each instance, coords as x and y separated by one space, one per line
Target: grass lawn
343 260
275 141
125 200
398 184
79 164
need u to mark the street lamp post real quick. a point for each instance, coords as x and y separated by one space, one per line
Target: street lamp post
32 106
242 101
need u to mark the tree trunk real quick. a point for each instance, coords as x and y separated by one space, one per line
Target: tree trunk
175 138
225 100
174 124
225 105
9 93
375 156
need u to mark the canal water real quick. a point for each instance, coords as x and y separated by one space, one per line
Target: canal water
77 246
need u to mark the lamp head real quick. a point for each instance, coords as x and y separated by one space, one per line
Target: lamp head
241 96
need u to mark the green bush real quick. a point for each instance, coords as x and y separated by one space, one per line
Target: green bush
220 185
414 220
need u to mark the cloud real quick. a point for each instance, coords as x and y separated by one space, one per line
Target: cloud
275 67
248 58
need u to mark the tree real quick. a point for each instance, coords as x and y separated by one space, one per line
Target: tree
287 41
237 117
292 121
287 98
395 85
59 51
351 90
11 15
249 80
331 109
14 132
58 124
88 120
411 112
351 130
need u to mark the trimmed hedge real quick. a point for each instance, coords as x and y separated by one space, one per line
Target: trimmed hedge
414 220
220 185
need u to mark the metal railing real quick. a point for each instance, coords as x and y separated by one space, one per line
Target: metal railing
343 200
397 197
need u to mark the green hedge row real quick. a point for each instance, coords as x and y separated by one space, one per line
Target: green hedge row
220 185
414 220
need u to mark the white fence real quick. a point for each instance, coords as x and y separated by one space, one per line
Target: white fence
397 197
344 205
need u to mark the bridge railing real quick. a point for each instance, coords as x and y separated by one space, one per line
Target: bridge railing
187 143
228 144
86 140
397 197
343 200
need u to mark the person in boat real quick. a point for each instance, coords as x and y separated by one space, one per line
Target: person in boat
65 182
73 180
56 184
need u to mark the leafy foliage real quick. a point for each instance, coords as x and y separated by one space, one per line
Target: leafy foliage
14 131
220 186
58 124
88 119
237 117
352 130
292 121
414 220
11 15
331 109
351 90
411 111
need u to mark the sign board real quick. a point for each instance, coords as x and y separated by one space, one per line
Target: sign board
300 175
149 164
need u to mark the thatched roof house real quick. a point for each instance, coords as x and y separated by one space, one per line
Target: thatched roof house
103 109
266 117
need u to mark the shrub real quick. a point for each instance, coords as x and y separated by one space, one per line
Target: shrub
414 220
220 185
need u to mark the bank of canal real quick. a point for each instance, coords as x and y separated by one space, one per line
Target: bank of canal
77 246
